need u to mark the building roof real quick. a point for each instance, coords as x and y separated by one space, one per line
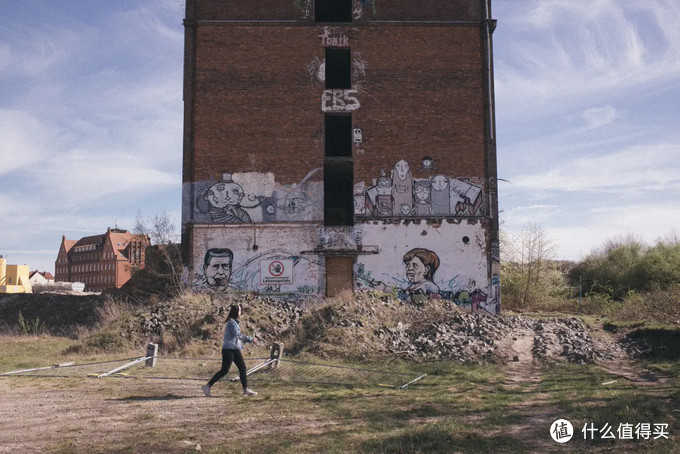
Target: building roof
46 274
120 239
68 244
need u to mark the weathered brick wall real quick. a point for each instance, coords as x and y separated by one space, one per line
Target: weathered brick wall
258 108
254 102
303 10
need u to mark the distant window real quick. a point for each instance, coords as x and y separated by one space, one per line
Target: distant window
333 10
338 71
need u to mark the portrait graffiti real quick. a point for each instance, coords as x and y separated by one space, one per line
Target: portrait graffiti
217 266
421 265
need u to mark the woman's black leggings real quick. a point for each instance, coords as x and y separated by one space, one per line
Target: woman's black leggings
228 357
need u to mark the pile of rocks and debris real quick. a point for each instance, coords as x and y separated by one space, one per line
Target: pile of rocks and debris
203 317
365 325
440 330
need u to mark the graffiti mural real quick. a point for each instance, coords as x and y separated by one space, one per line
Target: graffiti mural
358 8
304 6
379 198
402 195
244 198
427 164
417 283
426 267
216 270
420 265
219 274
224 200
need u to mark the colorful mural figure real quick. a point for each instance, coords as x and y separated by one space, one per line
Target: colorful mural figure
466 198
217 265
380 197
402 188
428 164
224 198
441 195
421 265
256 197
421 197
402 195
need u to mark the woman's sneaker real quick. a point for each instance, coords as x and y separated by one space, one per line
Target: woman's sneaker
206 390
249 392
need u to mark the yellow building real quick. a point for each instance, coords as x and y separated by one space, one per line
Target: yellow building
14 278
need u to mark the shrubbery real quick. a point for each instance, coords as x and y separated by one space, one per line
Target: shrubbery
626 266
624 279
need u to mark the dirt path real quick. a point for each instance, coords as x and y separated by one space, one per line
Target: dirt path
622 365
124 415
523 374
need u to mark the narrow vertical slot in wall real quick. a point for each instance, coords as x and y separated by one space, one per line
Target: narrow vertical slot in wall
338 195
338 68
338 136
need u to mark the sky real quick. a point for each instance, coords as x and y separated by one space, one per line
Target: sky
586 118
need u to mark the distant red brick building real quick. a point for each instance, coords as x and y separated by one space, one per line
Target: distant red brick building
334 144
101 261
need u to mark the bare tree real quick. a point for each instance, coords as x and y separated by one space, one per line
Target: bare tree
160 229
527 265
163 267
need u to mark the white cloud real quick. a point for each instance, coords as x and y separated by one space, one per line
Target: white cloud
633 170
24 140
83 177
585 50
607 223
596 117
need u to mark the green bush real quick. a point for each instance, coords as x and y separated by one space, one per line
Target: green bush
625 266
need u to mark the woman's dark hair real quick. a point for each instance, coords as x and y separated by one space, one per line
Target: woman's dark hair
233 312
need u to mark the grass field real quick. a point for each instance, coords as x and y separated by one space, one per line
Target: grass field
456 408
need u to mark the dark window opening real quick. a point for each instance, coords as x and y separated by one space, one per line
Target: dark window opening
338 136
333 10
338 193
338 68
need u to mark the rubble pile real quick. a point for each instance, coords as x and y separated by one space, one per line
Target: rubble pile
376 324
204 317
567 338
437 330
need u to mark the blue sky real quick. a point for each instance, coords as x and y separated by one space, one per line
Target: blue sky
91 119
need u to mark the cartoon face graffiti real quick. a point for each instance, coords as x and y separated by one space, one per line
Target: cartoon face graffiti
224 198
384 186
401 169
224 193
422 192
421 265
217 265
440 182
428 163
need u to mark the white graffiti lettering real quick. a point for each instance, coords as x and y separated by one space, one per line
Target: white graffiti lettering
333 38
339 101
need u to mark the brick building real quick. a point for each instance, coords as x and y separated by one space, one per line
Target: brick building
101 261
334 144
